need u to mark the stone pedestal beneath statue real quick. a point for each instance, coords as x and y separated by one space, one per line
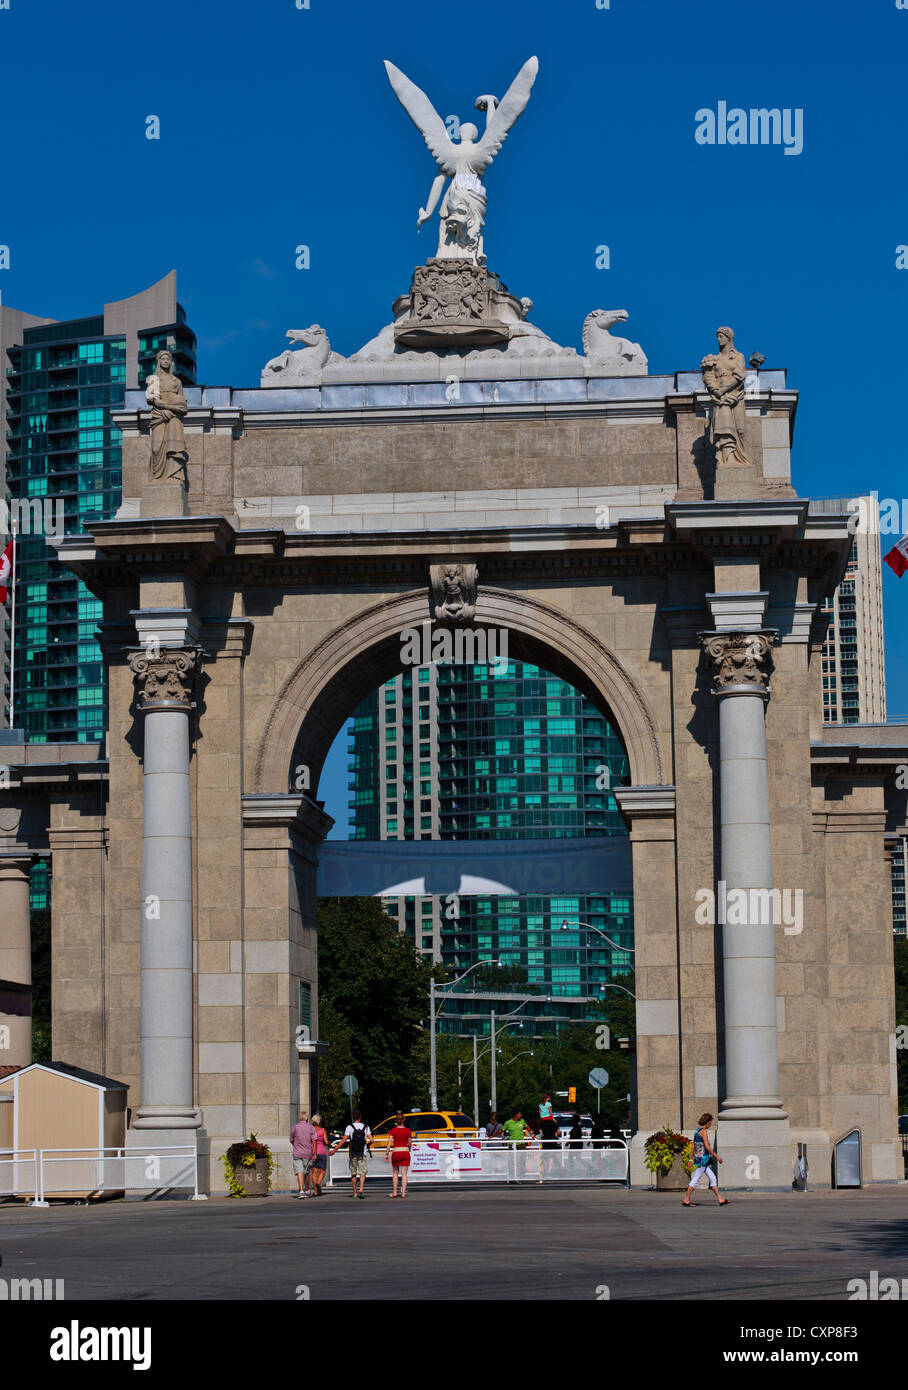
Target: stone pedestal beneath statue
455 303
164 498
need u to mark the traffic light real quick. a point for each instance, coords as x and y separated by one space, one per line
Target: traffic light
572 1095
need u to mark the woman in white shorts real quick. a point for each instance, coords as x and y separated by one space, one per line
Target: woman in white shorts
703 1152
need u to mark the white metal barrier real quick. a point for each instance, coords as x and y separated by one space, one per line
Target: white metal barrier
500 1160
94 1172
18 1172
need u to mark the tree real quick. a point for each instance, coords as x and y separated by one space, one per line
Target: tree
337 1062
376 987
527 1066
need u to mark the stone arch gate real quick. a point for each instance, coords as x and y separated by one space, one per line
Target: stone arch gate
237 642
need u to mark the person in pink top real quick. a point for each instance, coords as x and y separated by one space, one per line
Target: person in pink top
320 1159
302 1137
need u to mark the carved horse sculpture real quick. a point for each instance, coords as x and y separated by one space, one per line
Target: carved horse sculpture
603 351
292 368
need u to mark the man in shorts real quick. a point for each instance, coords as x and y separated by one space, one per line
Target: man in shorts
302 1138
358 1136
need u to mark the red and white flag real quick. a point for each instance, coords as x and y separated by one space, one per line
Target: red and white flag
6 570
897 559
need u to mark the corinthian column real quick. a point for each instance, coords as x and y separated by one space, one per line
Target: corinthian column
740 666
164 684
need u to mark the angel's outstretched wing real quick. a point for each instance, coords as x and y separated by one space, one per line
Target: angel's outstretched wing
507 110
424 116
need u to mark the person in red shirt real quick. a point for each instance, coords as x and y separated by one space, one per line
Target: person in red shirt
400 1141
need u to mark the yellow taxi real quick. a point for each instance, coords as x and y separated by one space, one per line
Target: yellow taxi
427 1124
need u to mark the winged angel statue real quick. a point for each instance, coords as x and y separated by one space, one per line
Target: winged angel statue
463 162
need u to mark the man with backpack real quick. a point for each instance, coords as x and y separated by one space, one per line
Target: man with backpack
358 1136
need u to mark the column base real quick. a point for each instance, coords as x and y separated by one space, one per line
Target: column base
755 1152
167 1117
736 1108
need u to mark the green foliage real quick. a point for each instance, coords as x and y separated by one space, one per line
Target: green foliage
244 1154
337 1062
376 987
900 952
556 1064
661 1149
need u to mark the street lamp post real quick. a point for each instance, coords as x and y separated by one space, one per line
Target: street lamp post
565 926
493 1030
433 1068
588 926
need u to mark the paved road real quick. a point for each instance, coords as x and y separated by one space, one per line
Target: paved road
528 1243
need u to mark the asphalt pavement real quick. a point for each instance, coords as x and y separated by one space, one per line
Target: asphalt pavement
459 1242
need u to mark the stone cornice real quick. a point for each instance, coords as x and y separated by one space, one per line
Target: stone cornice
293 812
868 758
61 780
638 803
725 524
214 550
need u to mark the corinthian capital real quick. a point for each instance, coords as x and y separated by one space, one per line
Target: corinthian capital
739 658
166 679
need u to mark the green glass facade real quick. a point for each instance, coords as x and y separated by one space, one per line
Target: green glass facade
64 451
458 752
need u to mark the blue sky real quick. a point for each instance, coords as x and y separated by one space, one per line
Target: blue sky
278 128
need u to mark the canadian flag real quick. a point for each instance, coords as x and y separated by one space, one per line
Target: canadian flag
897 559
6 569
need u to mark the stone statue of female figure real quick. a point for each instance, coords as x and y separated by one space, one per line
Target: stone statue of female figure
164 393
724 375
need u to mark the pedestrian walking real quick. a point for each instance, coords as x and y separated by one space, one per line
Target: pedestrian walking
320 1157
302 1139
358 1136
597 1133
575 1135
400 1142
703 1151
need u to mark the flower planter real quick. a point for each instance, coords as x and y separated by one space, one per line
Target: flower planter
254 1181
247 1180
675 1180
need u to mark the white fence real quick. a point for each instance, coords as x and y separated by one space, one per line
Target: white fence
95 1172
500 1160
18 1171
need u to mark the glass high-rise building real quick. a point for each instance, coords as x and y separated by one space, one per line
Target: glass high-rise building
854 662
854 652
64 451
452 752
